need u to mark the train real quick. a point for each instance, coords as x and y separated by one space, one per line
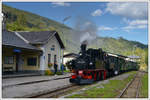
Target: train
95 64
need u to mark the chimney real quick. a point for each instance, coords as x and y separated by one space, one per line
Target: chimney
83 47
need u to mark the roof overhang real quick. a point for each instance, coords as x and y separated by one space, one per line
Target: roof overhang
70 55
27 49
59 40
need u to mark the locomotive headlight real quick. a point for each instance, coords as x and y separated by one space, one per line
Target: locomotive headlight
80 72
116 72
91 63
70 63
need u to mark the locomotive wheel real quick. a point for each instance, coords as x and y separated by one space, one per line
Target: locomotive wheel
102 75
92 75
107 75
111 73
98 77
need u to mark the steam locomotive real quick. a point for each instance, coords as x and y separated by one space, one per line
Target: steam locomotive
95 64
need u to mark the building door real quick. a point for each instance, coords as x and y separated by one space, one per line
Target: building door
20 63
55 58
17 53
17 61
49 58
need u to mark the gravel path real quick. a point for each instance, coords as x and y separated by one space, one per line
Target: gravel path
120 77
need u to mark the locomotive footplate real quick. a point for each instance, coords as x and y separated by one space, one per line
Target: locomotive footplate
82 81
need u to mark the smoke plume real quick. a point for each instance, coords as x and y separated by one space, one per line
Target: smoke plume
85 30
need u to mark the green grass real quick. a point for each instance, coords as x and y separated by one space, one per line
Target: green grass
59 73
131 72
110 90
144 87
66 71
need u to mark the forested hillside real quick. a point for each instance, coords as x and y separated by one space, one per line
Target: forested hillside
119 46
19 20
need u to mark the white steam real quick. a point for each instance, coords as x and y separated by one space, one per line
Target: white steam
85 30
87 37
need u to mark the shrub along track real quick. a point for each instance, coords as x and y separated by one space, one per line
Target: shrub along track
132 88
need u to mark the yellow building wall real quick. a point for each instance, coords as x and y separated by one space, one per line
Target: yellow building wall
25 55
8 52
27 67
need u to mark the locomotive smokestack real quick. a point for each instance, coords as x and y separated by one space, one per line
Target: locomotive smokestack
83 46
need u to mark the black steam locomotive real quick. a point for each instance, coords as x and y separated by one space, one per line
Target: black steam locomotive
95 64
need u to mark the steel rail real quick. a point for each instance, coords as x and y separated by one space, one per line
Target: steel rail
124 90
137 93
127 86
56 92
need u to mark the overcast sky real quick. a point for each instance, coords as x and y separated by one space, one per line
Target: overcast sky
126 19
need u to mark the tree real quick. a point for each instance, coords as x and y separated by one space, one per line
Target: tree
146 57
21 20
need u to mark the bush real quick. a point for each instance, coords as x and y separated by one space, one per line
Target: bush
50 65
59 73
49 72
67 71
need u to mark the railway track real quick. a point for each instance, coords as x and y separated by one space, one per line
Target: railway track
132 88
57 92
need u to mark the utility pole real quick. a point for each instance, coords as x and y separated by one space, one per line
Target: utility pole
65 19
96 43
134 48
4 18
133 51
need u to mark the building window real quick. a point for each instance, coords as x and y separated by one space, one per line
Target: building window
53 48
55 58
49 58
32 61
9 60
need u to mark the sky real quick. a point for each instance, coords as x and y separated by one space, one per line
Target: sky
112 19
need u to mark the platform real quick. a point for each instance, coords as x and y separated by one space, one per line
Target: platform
30 86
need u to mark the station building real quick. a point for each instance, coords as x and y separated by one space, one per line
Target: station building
68 57
30 51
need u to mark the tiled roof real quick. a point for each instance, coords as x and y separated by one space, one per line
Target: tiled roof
134 57
71 55
36 37
11 39
40 37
